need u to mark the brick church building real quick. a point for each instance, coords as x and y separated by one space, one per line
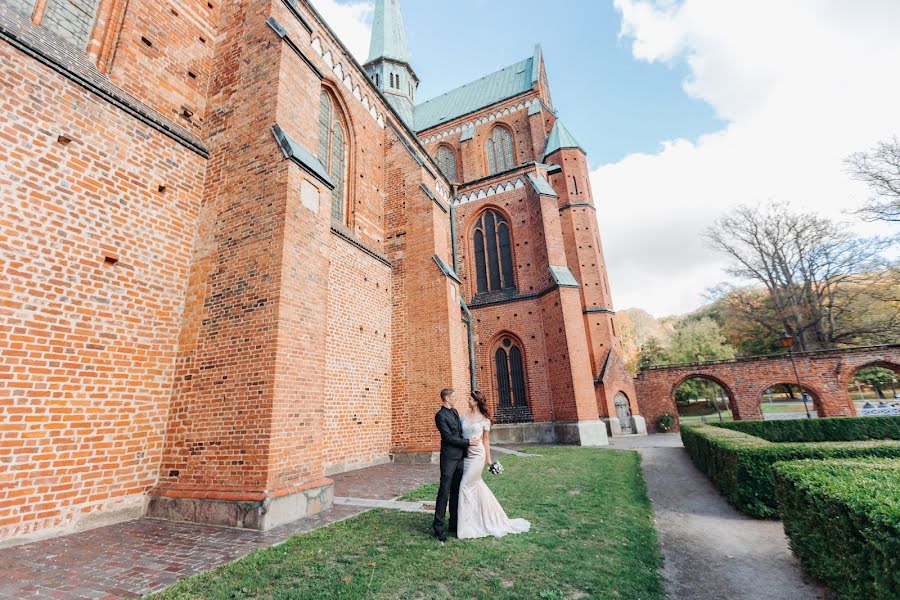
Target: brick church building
234 261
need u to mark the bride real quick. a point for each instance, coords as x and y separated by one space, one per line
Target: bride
480 515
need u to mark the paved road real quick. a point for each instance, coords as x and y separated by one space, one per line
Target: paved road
713 552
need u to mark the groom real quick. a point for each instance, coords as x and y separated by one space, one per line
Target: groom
453 450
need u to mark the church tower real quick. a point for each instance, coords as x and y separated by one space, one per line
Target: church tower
388 64
616 397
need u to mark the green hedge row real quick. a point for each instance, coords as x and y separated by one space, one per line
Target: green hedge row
837 429
740 465
843 522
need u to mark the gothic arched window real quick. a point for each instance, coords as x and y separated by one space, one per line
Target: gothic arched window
493 253
333 154
446 160
510 374
499 150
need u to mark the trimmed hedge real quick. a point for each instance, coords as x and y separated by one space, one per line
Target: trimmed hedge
843 522
740 465
837 429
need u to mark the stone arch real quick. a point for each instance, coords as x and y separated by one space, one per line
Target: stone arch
809 390
882 363
729 392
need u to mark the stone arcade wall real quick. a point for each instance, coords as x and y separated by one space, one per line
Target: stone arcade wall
825 375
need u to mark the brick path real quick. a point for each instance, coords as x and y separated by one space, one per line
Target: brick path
130 559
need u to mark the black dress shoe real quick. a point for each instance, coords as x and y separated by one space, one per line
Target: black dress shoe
440 535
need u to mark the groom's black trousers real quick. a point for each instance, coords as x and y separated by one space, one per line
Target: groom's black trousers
451 476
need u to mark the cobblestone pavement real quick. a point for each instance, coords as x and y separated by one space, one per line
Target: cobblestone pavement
130 559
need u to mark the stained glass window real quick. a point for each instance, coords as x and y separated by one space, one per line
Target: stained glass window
499 150
446 160
333 154
510 375
493 253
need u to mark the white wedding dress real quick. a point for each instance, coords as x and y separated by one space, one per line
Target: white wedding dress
479 513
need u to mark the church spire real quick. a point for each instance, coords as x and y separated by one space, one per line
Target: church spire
388 64
388 33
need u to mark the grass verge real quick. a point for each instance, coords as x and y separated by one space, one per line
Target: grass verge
592 537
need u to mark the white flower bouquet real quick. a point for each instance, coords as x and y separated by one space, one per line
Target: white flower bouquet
496 468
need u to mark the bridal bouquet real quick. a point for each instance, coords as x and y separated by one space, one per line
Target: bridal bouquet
496 468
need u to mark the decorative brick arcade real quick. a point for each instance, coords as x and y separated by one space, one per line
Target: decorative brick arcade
825 376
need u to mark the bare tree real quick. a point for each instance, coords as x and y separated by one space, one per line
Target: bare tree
818 275
879 169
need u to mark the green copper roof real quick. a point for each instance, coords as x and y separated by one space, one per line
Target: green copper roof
560 138
388 33
490 89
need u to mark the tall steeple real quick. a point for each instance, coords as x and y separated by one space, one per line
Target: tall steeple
388 64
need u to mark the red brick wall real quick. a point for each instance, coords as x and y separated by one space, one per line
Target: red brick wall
429 348
183 37
87 349
524 321
357 401
825 376
220 433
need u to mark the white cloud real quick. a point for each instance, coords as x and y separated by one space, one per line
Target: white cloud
352 21
801 84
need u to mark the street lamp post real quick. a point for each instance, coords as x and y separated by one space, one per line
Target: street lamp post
787 340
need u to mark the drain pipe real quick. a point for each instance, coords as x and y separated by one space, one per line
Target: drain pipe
453 235
470 322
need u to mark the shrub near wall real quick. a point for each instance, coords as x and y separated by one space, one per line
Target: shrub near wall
843 522
740 465
839 429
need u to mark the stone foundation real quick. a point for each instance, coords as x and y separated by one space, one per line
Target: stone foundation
582 433
614 426
242 514
415 458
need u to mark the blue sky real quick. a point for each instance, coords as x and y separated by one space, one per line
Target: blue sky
613 104
687 108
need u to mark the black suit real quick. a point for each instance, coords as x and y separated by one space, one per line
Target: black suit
453 450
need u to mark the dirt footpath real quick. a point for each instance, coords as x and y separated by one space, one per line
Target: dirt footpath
713 552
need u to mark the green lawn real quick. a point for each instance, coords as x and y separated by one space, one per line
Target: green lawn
592 537
767 408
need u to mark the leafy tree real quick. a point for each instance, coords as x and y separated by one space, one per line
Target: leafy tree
698 341
652 353
824 285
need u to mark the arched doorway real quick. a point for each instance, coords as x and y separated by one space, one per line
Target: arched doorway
623 413
784 401
702 399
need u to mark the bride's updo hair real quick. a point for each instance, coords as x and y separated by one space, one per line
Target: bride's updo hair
481 401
